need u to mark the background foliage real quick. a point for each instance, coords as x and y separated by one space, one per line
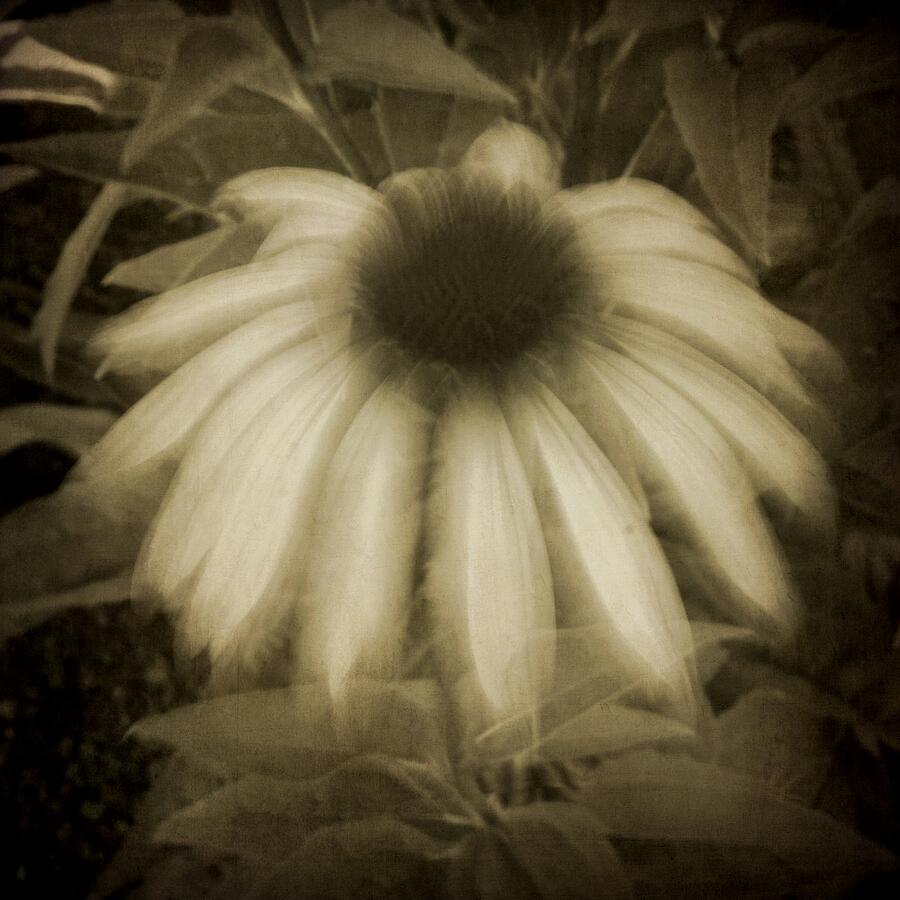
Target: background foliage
124 119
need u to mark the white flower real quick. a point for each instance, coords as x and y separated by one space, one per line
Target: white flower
473 395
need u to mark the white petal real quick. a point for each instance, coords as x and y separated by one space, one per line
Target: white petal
163 332
361 565
157 427
637 232
719 316
489 581
777 456
309 223
260 508
513 154
607 564
281 190
695 481
179 538
591 201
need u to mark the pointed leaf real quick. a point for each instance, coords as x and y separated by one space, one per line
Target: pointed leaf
622 16
649 796
212 55
566 852
135 37
296 732
368 42
74 428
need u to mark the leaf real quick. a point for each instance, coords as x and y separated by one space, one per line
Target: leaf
63 541
255 817
864 62
701 90
191 165
296 732
374 785
135 37
72 266
782 743
565 850
881 202
467 119
13 175
74 428
166 267
212 56
413 123
650 796
368 42
19 616
787 35
622 16
373 858
34 72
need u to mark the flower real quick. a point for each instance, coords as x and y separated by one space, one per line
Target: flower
472 395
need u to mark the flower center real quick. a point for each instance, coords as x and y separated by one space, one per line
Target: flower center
463 272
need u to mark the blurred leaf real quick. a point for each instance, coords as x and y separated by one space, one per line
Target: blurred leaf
650 796
414 124
36 73
621 16
881 202
864 62
13 175
701 90
375 785
66 540
783 743
484 867
211 56
18 617
566 852
254 817
467 119
72 265
373 858
74 428
787 35
297 732
362 41
190 166
232 244
134 37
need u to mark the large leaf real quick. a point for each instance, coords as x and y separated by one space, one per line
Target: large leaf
131 37
649 796
33 72
66 540
72 265
864 62
376 858
621 16
212 56
566 852
192 164
297 732
363 41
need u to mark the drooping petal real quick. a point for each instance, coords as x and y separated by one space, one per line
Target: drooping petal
514 155
777 456
488 582
259 511
165 331
695 481
157 426
281 190
607 565
637 233
359 583
172 551
315 223
719 316
588 202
